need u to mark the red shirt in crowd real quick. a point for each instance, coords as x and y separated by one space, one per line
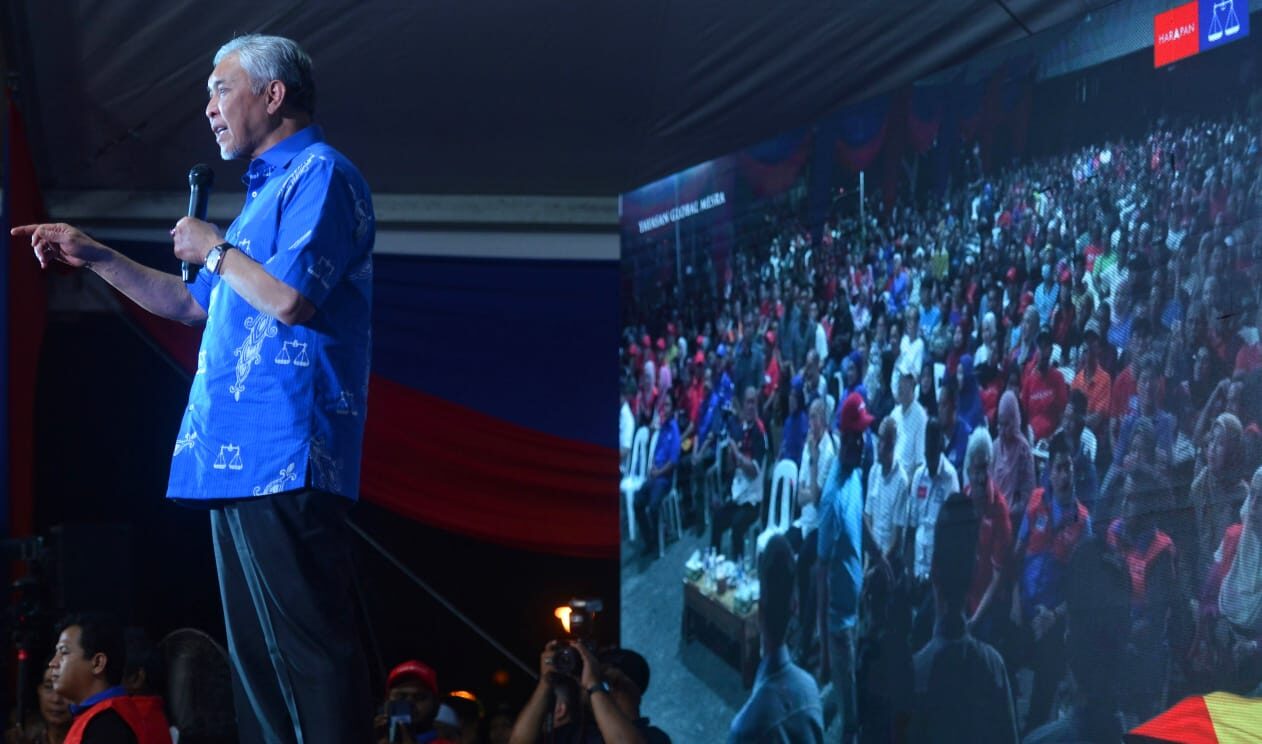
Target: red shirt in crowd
1124 388
994 546
1044 397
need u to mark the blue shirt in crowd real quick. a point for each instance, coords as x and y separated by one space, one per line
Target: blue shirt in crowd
273 407
667 446
840 540
783 707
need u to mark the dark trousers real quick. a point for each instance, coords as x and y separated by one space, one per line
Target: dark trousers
286 581
1047 659
737 516
648 501
808 551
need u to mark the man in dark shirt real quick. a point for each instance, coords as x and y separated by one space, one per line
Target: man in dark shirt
961 692
1099 629
784 705
88 671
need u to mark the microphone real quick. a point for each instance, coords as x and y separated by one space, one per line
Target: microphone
200 179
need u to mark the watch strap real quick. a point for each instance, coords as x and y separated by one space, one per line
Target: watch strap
218 252
601 686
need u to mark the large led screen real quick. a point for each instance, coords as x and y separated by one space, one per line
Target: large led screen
942 416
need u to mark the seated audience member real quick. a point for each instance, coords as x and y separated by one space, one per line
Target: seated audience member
602 705
1094 381
910 417
88 671
747 455
1043 391
817 460
1148 554
1225 654
954 427
1097 631
1083 444
796 425
1054 523
989 592
1239 598
648 499
1147 408
930 485
885 508
415 684
1013 466
969 398
961 691
784 704
1217 493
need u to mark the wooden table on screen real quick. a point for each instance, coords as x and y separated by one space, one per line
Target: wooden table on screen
706 612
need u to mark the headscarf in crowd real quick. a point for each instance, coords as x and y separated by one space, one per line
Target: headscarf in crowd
1013 468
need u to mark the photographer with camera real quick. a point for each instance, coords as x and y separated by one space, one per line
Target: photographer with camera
410 707
608 693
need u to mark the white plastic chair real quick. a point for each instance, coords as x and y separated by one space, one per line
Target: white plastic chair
714 479
636 473
784 483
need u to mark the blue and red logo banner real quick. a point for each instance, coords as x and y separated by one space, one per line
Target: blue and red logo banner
1195 27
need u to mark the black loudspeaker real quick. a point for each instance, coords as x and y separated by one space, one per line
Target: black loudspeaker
92 568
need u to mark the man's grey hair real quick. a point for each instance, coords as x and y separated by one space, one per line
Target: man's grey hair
267 58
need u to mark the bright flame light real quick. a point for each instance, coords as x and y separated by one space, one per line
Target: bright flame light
563 614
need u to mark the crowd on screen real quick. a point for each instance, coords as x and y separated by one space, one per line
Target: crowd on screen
1073 345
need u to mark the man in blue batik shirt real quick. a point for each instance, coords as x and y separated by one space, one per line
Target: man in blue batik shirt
648 499
271 438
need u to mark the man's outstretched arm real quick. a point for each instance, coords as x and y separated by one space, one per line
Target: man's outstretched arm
158 292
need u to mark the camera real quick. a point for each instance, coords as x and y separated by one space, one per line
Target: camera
577 619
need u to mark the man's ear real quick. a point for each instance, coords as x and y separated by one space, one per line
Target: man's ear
99 662
275 92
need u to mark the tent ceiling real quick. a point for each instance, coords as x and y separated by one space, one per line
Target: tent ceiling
492 97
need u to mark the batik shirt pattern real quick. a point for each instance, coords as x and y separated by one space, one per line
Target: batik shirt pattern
276 408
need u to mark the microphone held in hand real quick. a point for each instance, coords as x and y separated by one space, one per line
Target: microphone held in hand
200 179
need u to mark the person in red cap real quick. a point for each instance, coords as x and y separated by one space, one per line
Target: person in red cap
841 540
410 707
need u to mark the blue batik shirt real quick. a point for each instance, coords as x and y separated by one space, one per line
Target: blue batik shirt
277 408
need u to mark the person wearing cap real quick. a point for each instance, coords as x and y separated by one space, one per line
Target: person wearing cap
1043 390
784 704
841 540
413 687
1093 380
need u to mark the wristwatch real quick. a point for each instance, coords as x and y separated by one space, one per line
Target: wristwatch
214 259
601 686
